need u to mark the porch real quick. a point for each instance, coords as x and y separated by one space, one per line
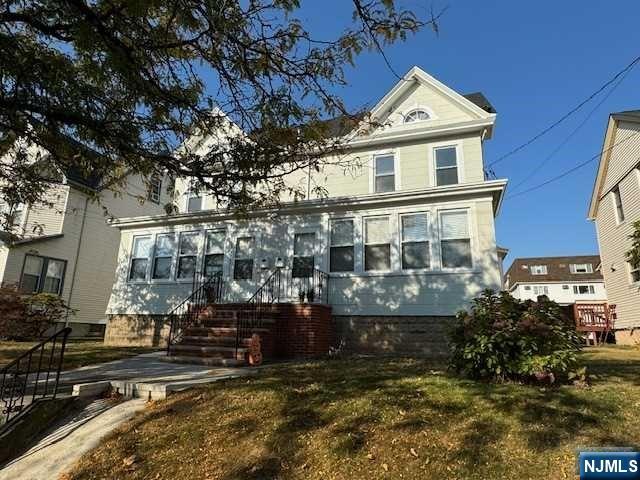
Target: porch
595 319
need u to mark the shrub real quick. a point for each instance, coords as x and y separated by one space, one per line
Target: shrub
503 338
28 317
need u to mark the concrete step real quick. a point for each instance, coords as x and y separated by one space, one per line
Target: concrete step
209 361
208 351
231 322
214 340
218 331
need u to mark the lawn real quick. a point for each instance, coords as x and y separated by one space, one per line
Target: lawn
78 353
375 418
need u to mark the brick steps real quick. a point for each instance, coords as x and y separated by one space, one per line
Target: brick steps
209 361
213 351
213 341
218 331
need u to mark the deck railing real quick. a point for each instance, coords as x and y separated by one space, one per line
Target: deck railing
32 376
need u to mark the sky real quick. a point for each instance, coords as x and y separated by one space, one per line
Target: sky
535 61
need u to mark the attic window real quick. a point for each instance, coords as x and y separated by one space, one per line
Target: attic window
417 115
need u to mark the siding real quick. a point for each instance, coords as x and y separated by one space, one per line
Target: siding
560 295
613 239
46 218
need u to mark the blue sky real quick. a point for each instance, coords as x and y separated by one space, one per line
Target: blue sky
535 61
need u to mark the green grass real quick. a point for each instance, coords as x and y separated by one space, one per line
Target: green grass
375 418
78 353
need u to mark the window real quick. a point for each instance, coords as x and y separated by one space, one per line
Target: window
446 166
155 189
416 115
341 252
303 258
581 268
140 258
163 256
527 287
634 273
243 265
194 199
455 242
415 241
538 269
187 255
377 244
214 252
42 274
540 290
565 287
583 289
617 201
384 169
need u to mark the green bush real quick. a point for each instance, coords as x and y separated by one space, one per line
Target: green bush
503 338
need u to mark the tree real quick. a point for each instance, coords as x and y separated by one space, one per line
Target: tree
108 87
633 254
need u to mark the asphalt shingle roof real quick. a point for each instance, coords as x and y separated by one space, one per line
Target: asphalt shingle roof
557 269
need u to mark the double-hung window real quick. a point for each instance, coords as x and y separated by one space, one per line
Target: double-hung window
214 252
455 242
415 241
140 255
42 275
634 272
155 189
303 255
187 255
244 254
384 170
581 268
163 256
617 202
377 244
341 251
540 290
446 165
583 289
194 199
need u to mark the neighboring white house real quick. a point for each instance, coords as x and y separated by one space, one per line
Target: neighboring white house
407 238
565 280
615 206
66 247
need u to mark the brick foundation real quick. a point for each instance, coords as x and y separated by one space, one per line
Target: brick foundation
136 330
302 331
392 335
628 337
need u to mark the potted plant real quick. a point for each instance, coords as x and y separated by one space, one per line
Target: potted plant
310 295
301 295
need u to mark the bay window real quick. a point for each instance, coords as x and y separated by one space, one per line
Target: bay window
341 251
415 241
455 241
377 244
244 254
446 165
214 252
187 255
140 254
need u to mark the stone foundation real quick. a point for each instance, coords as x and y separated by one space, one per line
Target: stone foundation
392 335
628 337
137 330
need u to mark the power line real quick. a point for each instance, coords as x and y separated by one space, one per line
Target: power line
567 115
573 133
573 169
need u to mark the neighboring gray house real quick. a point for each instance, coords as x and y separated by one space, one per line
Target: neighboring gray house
407 239
615 206
66 247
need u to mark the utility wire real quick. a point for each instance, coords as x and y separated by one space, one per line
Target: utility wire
573 169
567 115
572 134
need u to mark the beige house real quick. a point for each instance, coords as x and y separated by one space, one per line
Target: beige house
405 238
66 247
615 206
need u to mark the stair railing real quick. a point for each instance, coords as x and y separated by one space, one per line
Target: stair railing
251 315
210 290
32 376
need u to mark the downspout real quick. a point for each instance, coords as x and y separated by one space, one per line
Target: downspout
75 263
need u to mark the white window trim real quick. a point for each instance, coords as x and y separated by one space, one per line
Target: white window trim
358 249
199 254
396 170
545 289
630 270
430 237
545 268
573 268
153 182
470 214
457 144
224 249
392 263
429 111
322 242
256 275
147 277
619 221
174 255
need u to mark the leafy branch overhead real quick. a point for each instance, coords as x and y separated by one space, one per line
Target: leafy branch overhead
633 254
107 87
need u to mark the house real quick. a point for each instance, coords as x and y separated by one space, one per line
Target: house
395 248
65 246
615 206
565 280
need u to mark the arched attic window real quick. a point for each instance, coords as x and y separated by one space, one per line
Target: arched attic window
417 115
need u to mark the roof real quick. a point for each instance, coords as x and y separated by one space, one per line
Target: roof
605 156
480 100
557 269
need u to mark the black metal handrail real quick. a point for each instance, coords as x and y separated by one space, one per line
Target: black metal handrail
29 377
209 291
252 314
311 286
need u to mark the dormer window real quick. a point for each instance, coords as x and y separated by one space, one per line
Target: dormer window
417 115
538 269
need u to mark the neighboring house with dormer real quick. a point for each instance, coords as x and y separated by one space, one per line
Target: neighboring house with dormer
65 245
615 206
400 244
565 280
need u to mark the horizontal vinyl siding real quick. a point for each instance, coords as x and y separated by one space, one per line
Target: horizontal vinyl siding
46 218
624 155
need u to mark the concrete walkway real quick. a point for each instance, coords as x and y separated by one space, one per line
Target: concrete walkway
70 439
